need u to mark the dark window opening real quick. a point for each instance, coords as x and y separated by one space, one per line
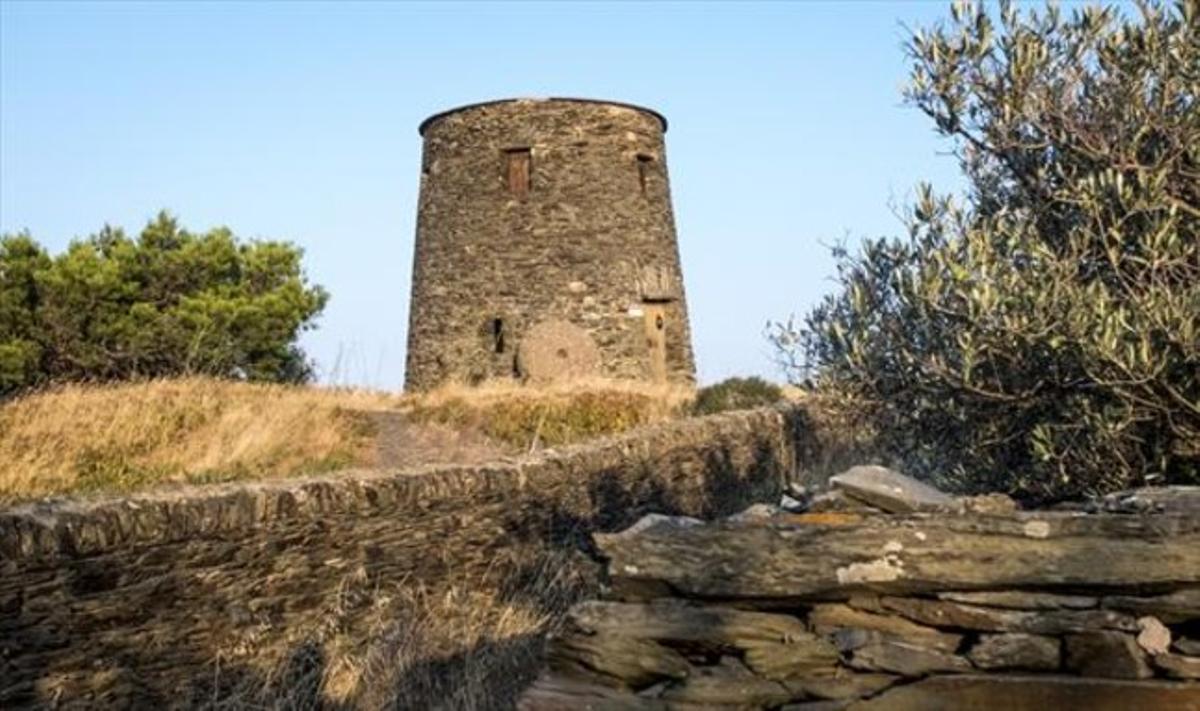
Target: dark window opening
645 164
498 335
517 171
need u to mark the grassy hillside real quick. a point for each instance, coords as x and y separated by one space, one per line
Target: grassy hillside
88 438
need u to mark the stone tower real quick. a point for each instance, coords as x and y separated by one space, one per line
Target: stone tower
546 247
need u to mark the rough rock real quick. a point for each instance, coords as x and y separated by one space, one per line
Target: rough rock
890 490
553 692
652 521
845 554
669 621
774 646
837 500
1022 600
1172 608
826 619
1151 499
1032 693
1187 645
1153 636
904 659
1111 655
986 504
843 685
789 658
941 613
727 684
632 661
755 512
1178 666
1016 651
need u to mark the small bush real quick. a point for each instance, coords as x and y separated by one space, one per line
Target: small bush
736 394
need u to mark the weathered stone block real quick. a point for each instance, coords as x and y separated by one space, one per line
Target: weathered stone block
1016 651
1112 655
1022 600
890 490
905 659
825 619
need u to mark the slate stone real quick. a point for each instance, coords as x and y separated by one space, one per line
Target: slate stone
1032 693
941 613
890 490
837 500
555 692
1016 651
1172 608
1111 655
986 504
905 659
1178 666
826 619
843 685
728 684
1022 600
1152 499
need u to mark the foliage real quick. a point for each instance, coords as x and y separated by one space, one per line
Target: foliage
736 394
1043 338
169 302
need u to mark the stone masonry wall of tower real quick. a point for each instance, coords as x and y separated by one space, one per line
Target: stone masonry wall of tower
545 211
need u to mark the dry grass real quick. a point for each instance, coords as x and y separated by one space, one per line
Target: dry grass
469 645
86 438
528 418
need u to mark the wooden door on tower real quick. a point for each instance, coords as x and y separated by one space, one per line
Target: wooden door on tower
656 340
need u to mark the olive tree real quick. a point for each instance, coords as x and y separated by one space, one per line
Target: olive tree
1040 334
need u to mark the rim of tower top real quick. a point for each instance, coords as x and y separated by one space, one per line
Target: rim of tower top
442 114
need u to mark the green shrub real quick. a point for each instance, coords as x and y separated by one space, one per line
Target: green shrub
169 302
1044 338
736 394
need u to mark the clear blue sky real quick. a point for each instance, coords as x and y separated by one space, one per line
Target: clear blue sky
299 121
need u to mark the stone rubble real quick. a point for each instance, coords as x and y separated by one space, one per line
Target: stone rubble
884 594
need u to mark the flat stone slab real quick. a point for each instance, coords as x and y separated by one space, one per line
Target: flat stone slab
1022 600
825 619
1179 606
1178 666
890 490
1033 693
905 659
833 556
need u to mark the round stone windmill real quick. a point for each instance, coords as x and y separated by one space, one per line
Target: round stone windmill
545 247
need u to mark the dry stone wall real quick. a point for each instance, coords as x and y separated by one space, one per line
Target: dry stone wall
129 602
887 595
